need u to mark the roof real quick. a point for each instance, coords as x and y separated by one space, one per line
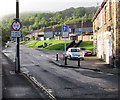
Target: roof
99 9
86 23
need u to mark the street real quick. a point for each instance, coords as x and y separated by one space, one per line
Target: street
61 82
17 86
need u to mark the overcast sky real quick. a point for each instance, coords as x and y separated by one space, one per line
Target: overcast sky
8 6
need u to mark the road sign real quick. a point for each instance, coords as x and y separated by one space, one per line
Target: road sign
65 34
15 33
65 31
48 35
16 25
65 28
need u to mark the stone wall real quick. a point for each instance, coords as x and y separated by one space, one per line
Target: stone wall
106 28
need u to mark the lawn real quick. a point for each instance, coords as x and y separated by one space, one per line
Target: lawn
87 45
57 44
52 44
32 43
20 42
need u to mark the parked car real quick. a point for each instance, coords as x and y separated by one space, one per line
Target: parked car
73 53
86 52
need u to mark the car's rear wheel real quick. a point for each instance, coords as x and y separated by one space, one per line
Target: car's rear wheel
82 58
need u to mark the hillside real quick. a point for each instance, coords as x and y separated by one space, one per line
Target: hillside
57 44
40 20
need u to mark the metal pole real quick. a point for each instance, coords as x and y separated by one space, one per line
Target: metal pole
56 56
64 49
82 28
17 69
65 46
79 61
17 10
65 59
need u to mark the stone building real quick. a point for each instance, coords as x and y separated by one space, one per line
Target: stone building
106 29
35 35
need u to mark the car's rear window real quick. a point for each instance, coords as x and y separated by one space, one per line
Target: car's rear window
82 48
75 50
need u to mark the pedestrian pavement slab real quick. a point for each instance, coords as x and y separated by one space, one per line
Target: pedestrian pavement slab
16 85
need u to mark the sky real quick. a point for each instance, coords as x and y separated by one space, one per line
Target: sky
8 6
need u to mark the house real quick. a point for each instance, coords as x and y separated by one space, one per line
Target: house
86 37
35 35
81 31
106 30
77 31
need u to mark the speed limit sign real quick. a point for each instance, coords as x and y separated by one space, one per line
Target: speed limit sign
16 25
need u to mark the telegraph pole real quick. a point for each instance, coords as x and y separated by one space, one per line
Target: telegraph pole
17 59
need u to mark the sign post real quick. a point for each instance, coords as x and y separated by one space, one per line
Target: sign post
16 26
17 60
65 34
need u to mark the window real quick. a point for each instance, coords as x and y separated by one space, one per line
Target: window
75 50
110 5
91 37
101 19
105 15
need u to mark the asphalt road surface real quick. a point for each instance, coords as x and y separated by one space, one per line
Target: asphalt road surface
17 86
64 82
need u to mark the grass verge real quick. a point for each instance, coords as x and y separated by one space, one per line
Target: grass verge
87 45
57 44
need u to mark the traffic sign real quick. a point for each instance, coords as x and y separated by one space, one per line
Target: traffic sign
48 35
16 25
65 34
65 31
65 28
15 34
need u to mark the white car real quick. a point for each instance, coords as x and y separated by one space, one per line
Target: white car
73 53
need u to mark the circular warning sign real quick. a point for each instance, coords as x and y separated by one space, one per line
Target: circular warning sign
16 25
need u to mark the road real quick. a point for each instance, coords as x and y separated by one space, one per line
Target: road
17 86
64 82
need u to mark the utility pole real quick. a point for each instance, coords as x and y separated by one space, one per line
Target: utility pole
17 59
82 24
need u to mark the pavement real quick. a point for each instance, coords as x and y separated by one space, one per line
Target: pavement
90 63
16 86
0 76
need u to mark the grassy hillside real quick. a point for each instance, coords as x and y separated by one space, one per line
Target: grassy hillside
32 43
52 44
57 44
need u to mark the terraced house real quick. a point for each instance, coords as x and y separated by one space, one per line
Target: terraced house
106 29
